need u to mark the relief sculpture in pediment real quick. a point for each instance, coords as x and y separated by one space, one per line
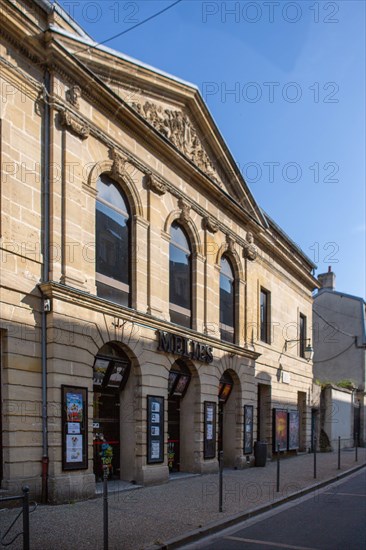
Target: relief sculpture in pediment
176 126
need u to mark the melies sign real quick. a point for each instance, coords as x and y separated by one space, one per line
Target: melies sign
186 347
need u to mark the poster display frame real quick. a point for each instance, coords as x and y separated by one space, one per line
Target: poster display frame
280 416
155 429
74 404
248 430
210 417
291 445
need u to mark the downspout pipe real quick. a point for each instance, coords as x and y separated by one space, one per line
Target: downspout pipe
45 277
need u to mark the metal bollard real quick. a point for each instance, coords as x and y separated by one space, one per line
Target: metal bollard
105 507
221 468
314 449
278 468
25 503
339 452
356 445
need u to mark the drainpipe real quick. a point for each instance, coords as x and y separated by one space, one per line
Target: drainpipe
45 277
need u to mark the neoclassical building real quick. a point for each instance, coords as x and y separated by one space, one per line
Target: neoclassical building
152 315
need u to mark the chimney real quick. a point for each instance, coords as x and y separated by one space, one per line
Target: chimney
327 280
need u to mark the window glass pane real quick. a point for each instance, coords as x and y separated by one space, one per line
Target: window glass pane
178 237
302 335
180 319
179 278
226 268
109 192
112 254
264 316
112 294
227 301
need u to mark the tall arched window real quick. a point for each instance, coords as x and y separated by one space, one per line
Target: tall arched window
227 301
112 243
180 299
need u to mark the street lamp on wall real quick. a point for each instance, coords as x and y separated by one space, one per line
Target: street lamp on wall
308 352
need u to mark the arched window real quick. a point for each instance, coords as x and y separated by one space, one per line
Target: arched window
112 243
180 299
227 301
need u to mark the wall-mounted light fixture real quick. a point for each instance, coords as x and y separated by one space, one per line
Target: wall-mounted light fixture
308 352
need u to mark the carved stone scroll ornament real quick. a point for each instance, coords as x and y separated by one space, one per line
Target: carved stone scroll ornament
156 185
74 125
250 250
176 127
211 224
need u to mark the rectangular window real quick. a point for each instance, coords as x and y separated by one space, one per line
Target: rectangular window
302 335
265 304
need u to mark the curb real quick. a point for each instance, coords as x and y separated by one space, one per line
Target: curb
210 529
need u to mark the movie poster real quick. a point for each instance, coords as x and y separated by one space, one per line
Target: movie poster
293 430
280 429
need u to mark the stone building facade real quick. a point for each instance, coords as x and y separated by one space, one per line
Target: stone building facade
339 336
151 313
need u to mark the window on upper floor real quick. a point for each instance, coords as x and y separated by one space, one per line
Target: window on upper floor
180 277
265 316
302 331
112 243
227 301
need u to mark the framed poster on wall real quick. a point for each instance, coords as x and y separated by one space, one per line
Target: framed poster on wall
155 429
293 430
74 402
248 429
280 429
209 450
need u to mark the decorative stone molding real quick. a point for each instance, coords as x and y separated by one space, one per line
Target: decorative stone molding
177 128
250 250
210 224
185 210
72 96
156 185
73 124
230 243
119 164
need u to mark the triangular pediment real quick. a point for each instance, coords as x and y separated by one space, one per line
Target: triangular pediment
176 110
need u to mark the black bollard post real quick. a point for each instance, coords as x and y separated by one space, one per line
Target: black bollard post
25 503
221 468
356 445
339 452
314 449
105 507
278 468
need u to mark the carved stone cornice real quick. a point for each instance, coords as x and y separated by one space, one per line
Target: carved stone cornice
211 224
155 184
73 124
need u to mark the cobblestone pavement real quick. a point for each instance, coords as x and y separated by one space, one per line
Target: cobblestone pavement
150 516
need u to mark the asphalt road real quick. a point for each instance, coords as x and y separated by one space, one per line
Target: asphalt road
331 519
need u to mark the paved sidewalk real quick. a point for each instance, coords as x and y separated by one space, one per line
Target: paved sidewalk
151 516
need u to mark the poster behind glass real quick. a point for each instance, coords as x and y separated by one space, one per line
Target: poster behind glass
248 429
74 427
293 430
209 450
155 429
279 429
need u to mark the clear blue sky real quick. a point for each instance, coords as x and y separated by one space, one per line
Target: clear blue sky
295 120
